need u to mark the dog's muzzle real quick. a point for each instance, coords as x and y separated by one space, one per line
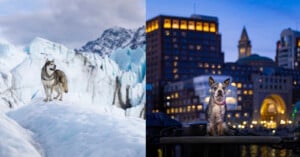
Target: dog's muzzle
53 69
220 93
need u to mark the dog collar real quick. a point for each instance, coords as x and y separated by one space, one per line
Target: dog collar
222 103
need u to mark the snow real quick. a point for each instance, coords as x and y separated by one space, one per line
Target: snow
86 122
15 140
67 129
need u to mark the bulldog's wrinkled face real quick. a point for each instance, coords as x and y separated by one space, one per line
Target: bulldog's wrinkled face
218 89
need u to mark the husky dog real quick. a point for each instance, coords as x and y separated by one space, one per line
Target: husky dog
216 108
53 79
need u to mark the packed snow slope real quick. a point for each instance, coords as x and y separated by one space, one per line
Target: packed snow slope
66 129
15 141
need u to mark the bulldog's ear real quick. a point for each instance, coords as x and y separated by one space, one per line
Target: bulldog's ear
211 81
226 82
47 59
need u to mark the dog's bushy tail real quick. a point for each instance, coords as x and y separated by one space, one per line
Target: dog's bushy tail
65 85
63 80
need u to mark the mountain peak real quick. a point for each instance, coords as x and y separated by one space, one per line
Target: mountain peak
114 38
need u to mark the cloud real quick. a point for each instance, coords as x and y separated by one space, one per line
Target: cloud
71 22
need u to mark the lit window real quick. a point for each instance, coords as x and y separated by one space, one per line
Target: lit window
298 43
295 82
176 110
176 76
233 84
245 92
175 63
191 25
168 111
239 98
175 24
180 110
175 71
213 66
167 33
212 27
176 95
213 72
147 28
228 115
156 24
245 114
198 47
206 65
242 50
250 92
219 66
206 27
167 23
172 110
219 72
193 107
183 24
239 85
199 107
237 115
200 65
199 26
188 108
176 58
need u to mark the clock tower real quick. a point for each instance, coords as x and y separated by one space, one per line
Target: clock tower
244 46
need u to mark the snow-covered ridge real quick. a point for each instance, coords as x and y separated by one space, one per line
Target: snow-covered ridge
92 78
116 38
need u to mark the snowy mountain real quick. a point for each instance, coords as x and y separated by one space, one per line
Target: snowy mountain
116 38
103 108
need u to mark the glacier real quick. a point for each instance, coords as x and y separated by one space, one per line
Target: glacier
104 105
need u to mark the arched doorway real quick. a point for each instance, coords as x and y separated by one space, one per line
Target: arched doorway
272 111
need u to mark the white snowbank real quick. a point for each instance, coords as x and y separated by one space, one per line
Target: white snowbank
64 129
14 140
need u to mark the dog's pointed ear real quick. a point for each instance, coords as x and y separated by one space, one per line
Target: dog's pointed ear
226 82
211 81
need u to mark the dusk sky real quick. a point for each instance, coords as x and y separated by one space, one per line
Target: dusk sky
69 22
264 20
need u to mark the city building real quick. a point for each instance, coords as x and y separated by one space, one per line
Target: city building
181 54
179 48
244 46
288 49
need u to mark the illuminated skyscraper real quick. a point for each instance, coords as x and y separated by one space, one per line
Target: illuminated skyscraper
180 48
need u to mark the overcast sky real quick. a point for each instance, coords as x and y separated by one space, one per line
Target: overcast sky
263 19
70 22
